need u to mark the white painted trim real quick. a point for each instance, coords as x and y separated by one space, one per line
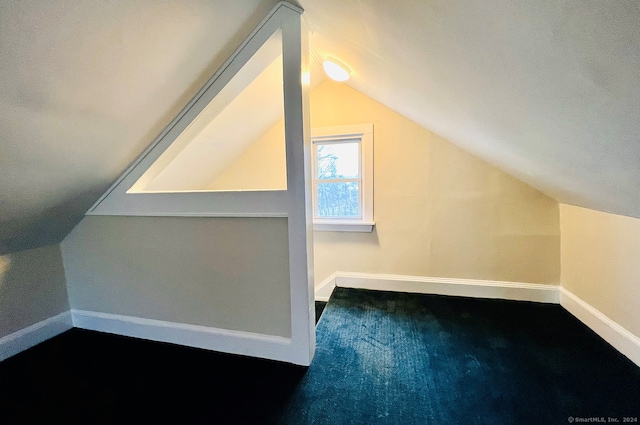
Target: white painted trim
342 226
449 286
120 200
612 332
223 340
295 51
23 339
337 132
233 64
197 214
324 290
195 204
362 133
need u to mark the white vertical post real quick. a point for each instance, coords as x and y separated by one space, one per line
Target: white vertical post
298 147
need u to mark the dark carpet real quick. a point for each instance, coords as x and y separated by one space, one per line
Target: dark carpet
320 305
393 358
382 358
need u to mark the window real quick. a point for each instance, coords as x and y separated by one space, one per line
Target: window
343 178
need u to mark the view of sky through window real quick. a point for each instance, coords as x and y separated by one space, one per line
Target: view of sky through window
339 165
339 160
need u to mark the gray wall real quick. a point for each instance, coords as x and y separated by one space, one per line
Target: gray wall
229 273
32 288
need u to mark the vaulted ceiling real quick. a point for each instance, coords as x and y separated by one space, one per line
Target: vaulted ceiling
548 91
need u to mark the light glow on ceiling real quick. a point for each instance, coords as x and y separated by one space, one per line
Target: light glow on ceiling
336 70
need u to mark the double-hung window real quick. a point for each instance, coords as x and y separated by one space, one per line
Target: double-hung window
343 178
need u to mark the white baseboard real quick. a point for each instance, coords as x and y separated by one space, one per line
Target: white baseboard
223 340
324 290
439 286
23 339
620 338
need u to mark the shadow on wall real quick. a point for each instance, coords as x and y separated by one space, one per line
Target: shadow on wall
350 238
33 278
49 226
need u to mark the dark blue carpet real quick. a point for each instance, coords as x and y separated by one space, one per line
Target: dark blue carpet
393 358
382 358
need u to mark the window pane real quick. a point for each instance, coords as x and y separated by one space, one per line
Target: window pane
339 199
338 160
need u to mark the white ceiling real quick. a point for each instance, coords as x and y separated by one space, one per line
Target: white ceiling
546 90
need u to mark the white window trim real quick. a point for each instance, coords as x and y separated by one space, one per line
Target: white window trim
363 133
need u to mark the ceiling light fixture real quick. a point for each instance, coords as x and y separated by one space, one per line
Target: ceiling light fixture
336 70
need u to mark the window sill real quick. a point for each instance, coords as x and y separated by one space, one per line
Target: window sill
343 226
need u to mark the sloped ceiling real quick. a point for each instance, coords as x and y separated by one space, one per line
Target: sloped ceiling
549 91
85 86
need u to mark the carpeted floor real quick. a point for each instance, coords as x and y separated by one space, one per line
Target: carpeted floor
392 358
382 358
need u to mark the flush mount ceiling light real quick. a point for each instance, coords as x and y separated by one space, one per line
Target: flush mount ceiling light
336 70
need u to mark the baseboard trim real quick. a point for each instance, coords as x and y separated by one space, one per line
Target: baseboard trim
223 340
612 332
440 286
26 338
324 290
620 338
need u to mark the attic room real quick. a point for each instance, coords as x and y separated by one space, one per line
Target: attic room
167 173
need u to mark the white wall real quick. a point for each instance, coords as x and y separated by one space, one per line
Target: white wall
439 211
228 273
263 166
601 262
32 288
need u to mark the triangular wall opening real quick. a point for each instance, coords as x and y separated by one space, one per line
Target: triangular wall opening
247 111
184 171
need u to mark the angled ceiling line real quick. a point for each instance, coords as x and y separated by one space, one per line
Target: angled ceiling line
230 67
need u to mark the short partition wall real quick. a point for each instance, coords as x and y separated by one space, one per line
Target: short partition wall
279 37
200 281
